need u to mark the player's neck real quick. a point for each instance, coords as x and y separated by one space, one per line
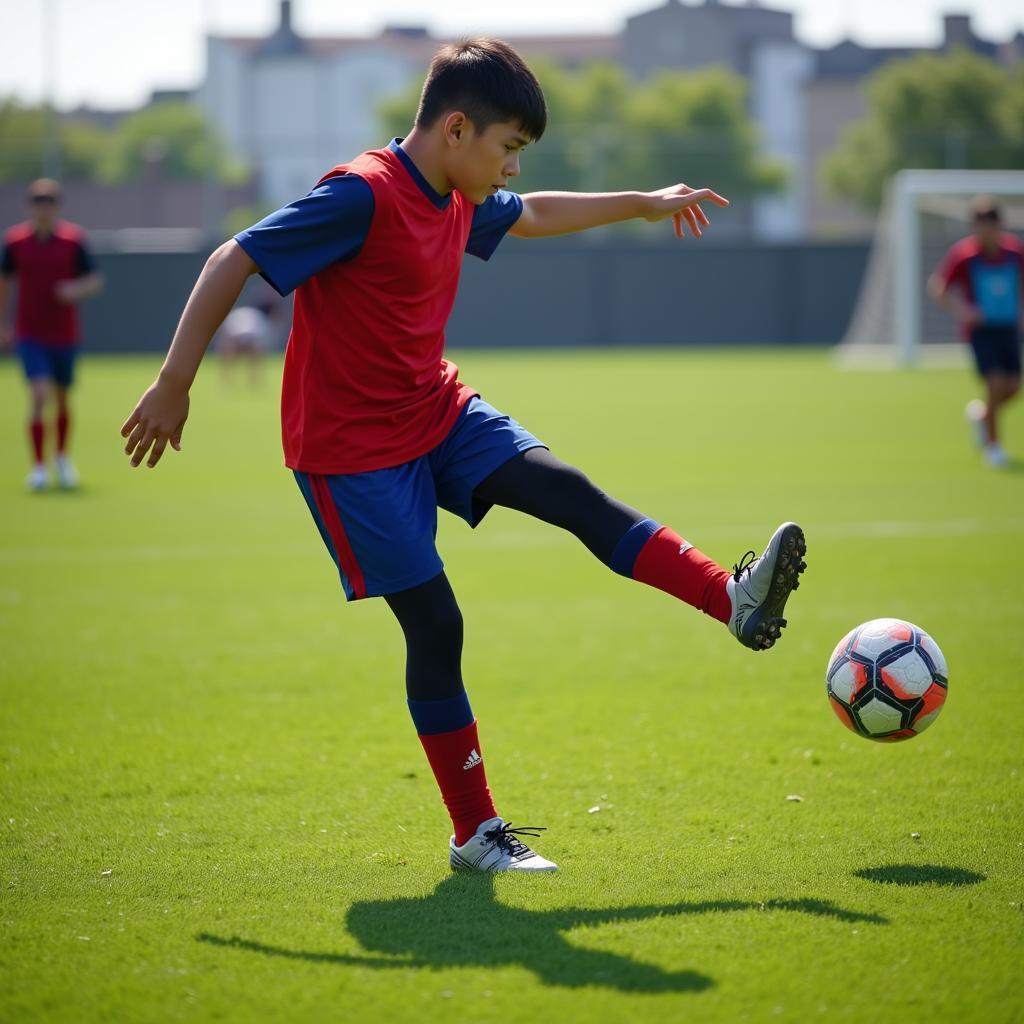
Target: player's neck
421 149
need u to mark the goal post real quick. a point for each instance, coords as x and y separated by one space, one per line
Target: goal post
923 213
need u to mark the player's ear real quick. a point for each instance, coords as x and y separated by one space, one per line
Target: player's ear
456 128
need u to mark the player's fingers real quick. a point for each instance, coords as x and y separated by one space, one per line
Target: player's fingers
138 432
143 446
701 215
176 436
158 450
129 424
691 219
677 223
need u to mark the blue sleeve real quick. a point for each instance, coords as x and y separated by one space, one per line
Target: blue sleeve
491 220
326 226
84 263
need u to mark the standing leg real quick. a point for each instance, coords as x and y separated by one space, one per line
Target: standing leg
39 391
432 623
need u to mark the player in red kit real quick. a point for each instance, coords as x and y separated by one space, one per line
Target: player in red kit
380 432
981 282
51 265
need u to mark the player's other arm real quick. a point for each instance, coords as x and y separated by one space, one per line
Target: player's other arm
7 271
160 415
559 213
6 334
943 288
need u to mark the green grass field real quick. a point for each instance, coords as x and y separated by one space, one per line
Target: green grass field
214 805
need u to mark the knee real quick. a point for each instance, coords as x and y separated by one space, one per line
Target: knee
438 627
39 393
1011 389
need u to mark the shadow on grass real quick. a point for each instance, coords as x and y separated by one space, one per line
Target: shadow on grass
920 874
461 924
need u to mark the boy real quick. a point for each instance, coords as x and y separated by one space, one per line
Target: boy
987 269
379 430
54 272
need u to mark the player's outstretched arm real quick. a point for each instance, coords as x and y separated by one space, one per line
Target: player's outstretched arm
159 417
559 213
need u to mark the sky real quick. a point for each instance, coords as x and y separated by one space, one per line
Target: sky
113 53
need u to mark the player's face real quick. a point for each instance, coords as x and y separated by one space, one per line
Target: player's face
489 159
42 210
987 230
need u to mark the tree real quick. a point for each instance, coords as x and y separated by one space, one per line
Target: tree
174 135
606 131
930 111
23 140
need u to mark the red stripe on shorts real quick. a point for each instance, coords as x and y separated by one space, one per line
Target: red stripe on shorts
342 548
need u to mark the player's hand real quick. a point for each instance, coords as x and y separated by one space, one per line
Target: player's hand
157 421
970 316
682 204
67 292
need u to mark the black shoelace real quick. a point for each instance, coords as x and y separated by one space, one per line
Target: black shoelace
744 565
505 837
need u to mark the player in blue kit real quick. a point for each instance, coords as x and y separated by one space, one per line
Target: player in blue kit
380 432
980 282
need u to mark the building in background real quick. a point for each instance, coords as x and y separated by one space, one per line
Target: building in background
295 106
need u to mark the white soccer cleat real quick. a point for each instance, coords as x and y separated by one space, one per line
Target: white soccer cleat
995 455
67 475
495 847
760 587
38 479
974 413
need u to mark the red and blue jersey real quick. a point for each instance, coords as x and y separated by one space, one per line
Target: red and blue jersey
373 254
991 282
40 263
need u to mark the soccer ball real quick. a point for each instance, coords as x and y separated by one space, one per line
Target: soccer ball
887 680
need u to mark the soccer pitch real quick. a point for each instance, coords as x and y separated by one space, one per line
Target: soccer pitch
215 806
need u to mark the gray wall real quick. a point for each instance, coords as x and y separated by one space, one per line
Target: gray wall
562 292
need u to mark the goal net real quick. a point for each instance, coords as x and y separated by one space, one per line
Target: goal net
895 322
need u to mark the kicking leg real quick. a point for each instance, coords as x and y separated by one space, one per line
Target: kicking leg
750 600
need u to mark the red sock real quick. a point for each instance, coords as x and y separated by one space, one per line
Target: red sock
62 432
459 769
35 429
667 562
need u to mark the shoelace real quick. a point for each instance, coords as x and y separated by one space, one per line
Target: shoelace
505 838
744 565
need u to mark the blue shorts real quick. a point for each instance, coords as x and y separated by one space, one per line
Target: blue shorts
380 527
996 350
54 362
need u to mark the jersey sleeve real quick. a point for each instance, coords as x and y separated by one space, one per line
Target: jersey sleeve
328 225
953 268
491 221
84 263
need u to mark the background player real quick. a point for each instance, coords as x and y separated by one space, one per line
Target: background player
54 271
980 282
379 430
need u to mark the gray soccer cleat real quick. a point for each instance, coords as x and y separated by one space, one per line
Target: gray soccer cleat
495 847
760 587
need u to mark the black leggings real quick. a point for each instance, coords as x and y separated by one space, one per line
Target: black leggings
540 485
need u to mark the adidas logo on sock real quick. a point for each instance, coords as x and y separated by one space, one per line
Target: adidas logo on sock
472 761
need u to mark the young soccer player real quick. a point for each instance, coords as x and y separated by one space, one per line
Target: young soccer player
980 282
54 271
379 430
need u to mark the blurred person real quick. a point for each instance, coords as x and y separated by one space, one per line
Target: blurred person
248 331
380 432
980 282
54 271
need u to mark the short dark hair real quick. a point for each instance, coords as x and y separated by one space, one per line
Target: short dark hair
488 81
